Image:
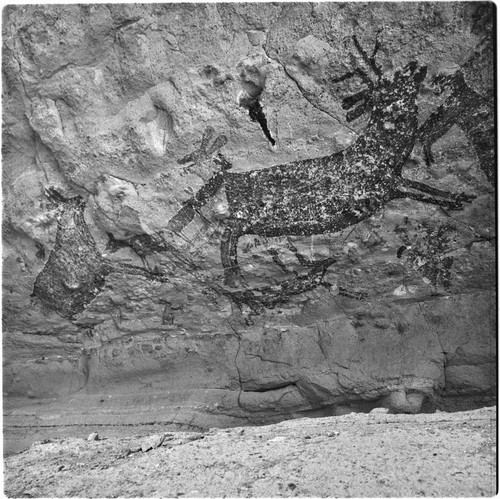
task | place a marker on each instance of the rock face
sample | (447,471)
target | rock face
(226,213)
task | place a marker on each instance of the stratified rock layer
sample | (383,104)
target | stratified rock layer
(142,284)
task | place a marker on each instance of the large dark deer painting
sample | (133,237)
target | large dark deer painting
(329,193)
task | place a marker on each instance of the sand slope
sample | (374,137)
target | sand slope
(356,455)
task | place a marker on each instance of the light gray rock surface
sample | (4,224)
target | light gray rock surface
(355,455)
(111,313)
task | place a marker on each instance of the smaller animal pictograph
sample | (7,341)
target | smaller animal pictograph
(75,271)
(472,112)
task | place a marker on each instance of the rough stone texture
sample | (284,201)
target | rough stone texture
(156,270)
(355,455)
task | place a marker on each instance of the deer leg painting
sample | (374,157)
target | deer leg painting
(231,213)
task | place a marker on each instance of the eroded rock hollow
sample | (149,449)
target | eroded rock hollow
(220,214)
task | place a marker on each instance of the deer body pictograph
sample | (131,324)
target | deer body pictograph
(329,193)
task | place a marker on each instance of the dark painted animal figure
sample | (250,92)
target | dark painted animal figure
(75,271)
(472,112)
(330,193)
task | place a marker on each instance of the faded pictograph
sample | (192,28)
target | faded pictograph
(76,271)
(427,251)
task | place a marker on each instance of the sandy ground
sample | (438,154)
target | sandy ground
(356,455)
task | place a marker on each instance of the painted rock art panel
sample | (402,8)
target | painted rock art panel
(242,212)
